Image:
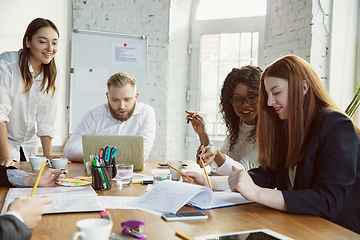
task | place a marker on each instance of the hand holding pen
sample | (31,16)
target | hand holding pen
(180,172)
(202,165)
(49,178)
(208,155)
(196,121)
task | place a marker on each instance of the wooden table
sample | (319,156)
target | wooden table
(221,220)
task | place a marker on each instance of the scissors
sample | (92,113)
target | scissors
(107,156)
(112,159)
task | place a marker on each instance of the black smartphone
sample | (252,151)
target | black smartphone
(165,165)
(184,216)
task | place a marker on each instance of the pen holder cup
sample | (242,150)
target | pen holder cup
(101,177)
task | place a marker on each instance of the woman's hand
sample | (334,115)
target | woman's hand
(198,178)
(209,154)
(196,121)
(7,162)
(240,181)
(49,178)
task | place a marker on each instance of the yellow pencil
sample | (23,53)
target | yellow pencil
(180,172)
(181,236)
(207,177)
(38,178)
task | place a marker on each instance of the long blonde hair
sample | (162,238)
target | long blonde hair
(285,141)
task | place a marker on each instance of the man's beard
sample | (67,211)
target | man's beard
(121,117)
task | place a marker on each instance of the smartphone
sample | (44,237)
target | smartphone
(166,165)
(184,216)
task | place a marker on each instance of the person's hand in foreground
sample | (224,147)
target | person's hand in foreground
(199,178)
(7,162)
(30,209)
(240,181)
(49,178)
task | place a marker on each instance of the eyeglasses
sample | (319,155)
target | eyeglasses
(238,101)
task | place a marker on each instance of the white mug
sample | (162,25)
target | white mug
(175,175)
(36,162)
(59,163)
(93,229)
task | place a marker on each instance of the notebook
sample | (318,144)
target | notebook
(130,149)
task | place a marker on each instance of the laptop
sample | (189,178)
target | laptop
(130,149)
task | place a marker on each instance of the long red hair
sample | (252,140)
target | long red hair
(284,141)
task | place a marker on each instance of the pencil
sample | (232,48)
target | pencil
(207,177)
(180,172)
(181,236)
(38,178)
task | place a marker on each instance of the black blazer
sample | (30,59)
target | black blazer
(12,228)
(327,181)
(4,181)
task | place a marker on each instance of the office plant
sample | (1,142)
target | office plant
(355,102)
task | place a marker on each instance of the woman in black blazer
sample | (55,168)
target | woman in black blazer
(308,149)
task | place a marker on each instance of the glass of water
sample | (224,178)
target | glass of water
(124,174)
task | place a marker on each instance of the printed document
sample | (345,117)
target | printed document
(74,199)
(170,196)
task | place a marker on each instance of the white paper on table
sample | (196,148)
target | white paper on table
(170,196)
(74,199)
(115,202)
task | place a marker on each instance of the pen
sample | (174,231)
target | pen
(38,178)
(181,236)
(207,177)
(180,172)
(144,182)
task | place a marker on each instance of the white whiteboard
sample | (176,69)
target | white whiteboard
(95,56)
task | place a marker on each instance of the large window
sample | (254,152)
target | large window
(220,53)
(225,34)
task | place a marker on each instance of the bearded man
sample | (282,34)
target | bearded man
(121,115)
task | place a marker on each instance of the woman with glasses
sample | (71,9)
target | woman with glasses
(239,109)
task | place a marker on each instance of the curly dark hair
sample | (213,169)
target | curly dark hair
(250,77)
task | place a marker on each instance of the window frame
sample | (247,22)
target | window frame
(214,26)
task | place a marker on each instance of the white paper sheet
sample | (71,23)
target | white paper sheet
(74,199)
(170,196)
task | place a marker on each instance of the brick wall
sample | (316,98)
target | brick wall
(301,28)
(298,27)
(167,57)
(288,29)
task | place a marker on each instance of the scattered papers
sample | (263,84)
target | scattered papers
(223,199)
(115,202)
(75,199)
(170,196)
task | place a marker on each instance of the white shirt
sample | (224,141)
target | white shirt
(26,114)
(243,156)
(99,121)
